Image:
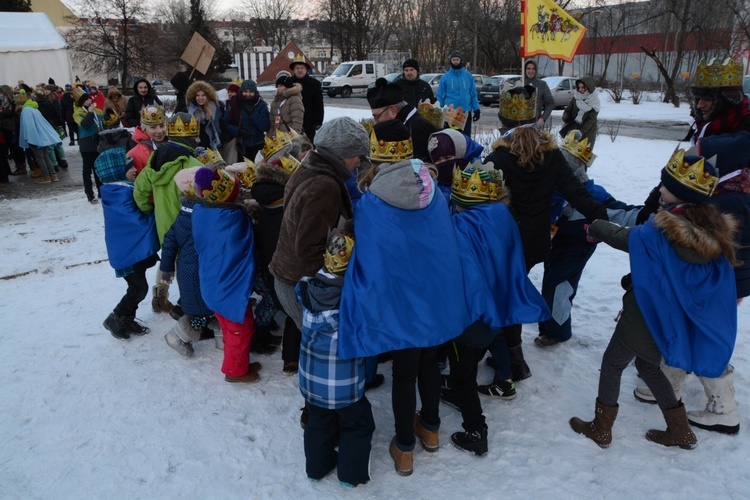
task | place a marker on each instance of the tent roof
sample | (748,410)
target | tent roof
(28,31)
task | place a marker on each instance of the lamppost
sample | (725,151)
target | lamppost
(596,14)
(455,34)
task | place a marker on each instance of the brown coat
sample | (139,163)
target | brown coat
(315,197)
(292,110)
(116,101)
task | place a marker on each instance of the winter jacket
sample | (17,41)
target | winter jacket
(143,149)
(132,116)
(586,123)
(179,247)
(251,126)
(67,103)
(89,125)
(180,81)
(166,194)
(325,380)
(420,130)
(545,102)
(7,109)
(50,109)
(416,91)
(117,101)
(315,198)
(210,131)
(288,110)
(457,87)
(97,97)
(268,191)
(312,98)
(531,195)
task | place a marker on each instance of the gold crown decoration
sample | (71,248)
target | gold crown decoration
(433,114)
(110,118)
(515,106)
(299,58)
(209,157)
(237,81)
(580,149)
(691,176)
(289,163)
(178,128)
(716,74)
(475,185)
(368,124)
(338,252)
(390,152)
(455,117)
(275,144)
(152,115)
(245,173)
(224,188)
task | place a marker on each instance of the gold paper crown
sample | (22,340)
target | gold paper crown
(455,117)
(338,252)
(717,75)
(579,149)
(237,81)
(275,144)
(209,157)
(223,189)
(152,115)
(289,163)
(368,124)
(178,128)
(433,114)
(516,107)
(299,58)
(245,172)
(475,185)
(111,118)
(691,176)
(390,152)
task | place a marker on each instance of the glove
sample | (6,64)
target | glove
(590,239)
(61,132)
(167,278)
(477,114)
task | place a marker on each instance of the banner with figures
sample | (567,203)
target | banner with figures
(547,29)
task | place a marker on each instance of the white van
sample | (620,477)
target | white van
(352,76)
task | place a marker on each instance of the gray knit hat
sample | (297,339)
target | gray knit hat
(343,138)
(249,85)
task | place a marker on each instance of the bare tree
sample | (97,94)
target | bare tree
(273,19)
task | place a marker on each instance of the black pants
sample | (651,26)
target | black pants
(463,360)
(412,366)
(351,428)
(137,291)
(4,164)
(72,129)
(89,158)
(512,333)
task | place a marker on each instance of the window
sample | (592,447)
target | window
(356,71)
(370,69)
(565,85)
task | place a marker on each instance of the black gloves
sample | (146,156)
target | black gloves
(477,114)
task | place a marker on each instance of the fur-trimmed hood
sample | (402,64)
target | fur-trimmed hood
(197,86)
(709,241)
(271,173)
(295,90)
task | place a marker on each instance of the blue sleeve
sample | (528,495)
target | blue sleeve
(231,129)
(473,93)
(260,118)
(169,249)
(441,90)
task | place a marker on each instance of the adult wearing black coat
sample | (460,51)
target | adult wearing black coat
(143,95)
(180,81)
(66,105)
(312,97)
(415,89)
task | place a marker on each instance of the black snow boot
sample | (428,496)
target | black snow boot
(474,442)
(116,326)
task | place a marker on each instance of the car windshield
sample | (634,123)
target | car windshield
(493,81)
(426,77)
(553,80)
(342,70)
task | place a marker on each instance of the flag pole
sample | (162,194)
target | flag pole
(523,48)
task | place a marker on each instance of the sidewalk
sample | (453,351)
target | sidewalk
(23,186)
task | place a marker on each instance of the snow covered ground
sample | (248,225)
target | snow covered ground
(83,415)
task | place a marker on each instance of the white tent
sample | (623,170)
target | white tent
(32,50)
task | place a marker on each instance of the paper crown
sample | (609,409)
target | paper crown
(390,152)
(368,124)
(338,252)
(209,157)
(517,107)
(716,74)
(433,114)
(693,176)
(275,144)
(237,81)
(110,118)
(579,149)
(299,59)
(245,172)
(178,128)
(289,163)
(455,117)
(152,115)
(219,188)
(475,185)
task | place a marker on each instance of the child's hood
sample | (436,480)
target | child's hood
(321,293)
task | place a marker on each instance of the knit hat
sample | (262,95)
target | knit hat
(185,180)
(338,252)
(411,63)
(384,94)
(51,82)
(110,119)
(80,96)
(249,85)
(343,138)
(216,187)
(690,178)
(233,87)
(456,53)
(447,150)
(68,86)
(286,81)
(517,106)
(283,72)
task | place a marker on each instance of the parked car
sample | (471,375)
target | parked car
(480,80)
(433,79)
(489,95)
(562,88)
(390,77)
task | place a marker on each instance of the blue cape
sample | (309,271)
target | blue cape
(130,235)
(36,130)
(691,309)
(404,284)
(498,291)
(226,266)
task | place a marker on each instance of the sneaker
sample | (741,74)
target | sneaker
(474,442)
(544,341)
(93,200)
(175,342)
(116,327)
(376,382)
(403,461)
(505,390)
(54,178)
(448,396)
(644,395)
(247,378)
(430,439)
(290,368)
(134,327)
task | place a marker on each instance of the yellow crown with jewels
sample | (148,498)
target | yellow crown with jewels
(289,163)
(368,124)
(299,58)
(390,151)
(209,157)
(475,185)
(433,114)
(245,172)
(455,117)
(275,144)
(515,106)
(579,149)
(178,128)
(152,115)
(716,74)
(338,252)
(691,176)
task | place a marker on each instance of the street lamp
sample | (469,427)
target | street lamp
(596,14)
(455,34)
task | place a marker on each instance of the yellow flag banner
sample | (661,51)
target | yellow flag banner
(549,30)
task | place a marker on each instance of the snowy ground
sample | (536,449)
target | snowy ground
(83,415)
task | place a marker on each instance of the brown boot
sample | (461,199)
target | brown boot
(54,178)
(678,431)
(430,439)
(600,429)
(36,173)
(403,460)
(160,301)
(19,170)
(43,180)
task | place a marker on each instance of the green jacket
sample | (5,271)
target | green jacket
(166,194)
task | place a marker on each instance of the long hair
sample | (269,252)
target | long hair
(529,144)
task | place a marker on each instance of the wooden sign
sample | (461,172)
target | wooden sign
(199,54)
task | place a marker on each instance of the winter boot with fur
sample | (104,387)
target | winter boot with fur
(160,300)
(518,367)
(600,429)
(116,326)
(181,336)
(678,431)
(675,376)
(720,414)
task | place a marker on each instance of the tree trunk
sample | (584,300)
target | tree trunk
(671,94)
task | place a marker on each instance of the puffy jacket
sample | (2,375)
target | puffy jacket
(252,123)
(416,91)
(457,87)
(288,108)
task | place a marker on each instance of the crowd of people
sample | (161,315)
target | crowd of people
(354,230)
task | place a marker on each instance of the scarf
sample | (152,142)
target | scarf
(586,102)
(738,183)
(730,121)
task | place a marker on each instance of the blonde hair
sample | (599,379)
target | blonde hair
(529,144)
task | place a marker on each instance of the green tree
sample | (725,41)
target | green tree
(199,24)
(15,6)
